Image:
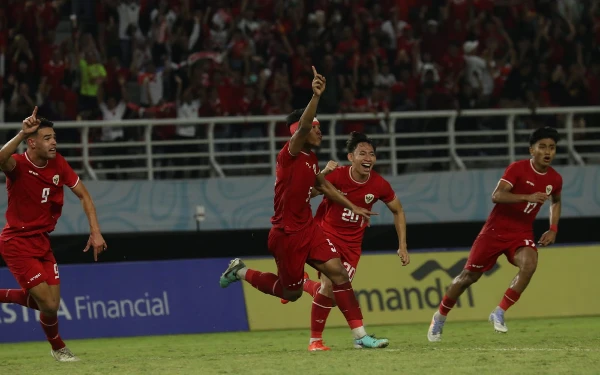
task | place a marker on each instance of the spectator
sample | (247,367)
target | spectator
(247,57)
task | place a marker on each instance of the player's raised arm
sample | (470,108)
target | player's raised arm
(503,194)
(549,237)
(332,193)
(96,241)
(30,125)
(306,121)
(400,223)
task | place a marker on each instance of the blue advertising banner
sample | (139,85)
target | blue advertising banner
(133,299)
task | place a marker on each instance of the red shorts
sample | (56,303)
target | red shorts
(293,251)
(349,256)
(487,248)
(30,260)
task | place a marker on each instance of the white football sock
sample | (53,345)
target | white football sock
(359,332)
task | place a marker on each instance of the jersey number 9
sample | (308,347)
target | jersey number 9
(45,194)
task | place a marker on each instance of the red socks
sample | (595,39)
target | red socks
(446,305)
(18,296)
(50,327)
(266,282)
(312,287)
(321,307)
(348,304)
(509,299)
(49,323)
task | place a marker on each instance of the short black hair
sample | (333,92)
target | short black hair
(294,116)
(44,123)
(543,133)
(355,139)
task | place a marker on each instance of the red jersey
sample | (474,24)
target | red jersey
(35,195)
(294,181)
(341,223)
(517,218)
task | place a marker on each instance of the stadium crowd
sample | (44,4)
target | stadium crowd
(118,59)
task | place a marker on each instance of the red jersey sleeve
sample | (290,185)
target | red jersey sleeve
(387,194)
(67,174)
(559,184)
(511,174)
(14,173)
(285,157)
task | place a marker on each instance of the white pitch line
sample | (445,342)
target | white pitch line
(506,350)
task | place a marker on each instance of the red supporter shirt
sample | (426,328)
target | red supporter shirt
(35,195)
(295,179)
(341,223)
(517,218)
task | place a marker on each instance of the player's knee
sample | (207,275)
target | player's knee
(339,277)
(336,272)
(49,306)
(528,268)
(467,278)
(292,295)
(326,289)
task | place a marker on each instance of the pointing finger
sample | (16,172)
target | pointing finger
(313,69)
(34,114)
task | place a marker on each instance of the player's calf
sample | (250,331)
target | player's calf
(48,300)
(346,300)
(18,296)
(266,282)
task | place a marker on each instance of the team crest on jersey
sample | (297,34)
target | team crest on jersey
(55,179)
(548,189)
(369,198)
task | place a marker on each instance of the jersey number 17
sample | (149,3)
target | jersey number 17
(530,207)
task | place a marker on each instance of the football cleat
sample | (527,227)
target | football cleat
(230,275)
(370,341)
(435,328)
(497,320)
(63,355)
(318,346)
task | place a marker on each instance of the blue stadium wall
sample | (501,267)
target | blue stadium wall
(247,202)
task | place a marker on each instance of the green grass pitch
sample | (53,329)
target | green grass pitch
(534,346)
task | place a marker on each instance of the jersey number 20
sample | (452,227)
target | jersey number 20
(349,216)
(45,194)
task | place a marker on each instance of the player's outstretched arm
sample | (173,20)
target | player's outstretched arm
(400,223)
(503,194)
(549,237)
(335,196)
(305,126)
(30,125)
(330,167)
(96,241)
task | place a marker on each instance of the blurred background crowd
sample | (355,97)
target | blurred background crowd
(121,59)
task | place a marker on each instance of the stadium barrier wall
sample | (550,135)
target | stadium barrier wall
(133,299)
(247,202)
(183,297)
(564,285)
